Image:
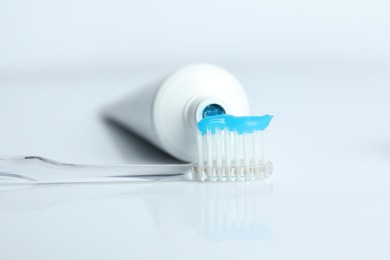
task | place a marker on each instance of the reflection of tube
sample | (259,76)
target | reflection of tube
(167,113)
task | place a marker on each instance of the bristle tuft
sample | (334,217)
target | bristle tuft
(226,155)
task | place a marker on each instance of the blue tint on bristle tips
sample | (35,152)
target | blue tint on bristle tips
(240,124)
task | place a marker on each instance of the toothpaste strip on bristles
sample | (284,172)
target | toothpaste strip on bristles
(232,148)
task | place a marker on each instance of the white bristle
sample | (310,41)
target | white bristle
(256,150)
(256,147)
(209,153)
(199,172)
(245,148)
(237,154)
(231,156)
(227,147)
(218,152)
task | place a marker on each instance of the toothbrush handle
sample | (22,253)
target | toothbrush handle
(36,169)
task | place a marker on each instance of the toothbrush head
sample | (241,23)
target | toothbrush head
(232,149)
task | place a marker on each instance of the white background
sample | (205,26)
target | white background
(322,68)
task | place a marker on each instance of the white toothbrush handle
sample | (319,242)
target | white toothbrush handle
(36,169)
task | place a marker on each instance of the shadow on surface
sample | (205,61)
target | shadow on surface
(133,148)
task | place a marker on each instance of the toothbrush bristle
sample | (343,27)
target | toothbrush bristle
(226,155)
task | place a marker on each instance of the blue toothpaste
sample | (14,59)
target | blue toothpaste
(240,124)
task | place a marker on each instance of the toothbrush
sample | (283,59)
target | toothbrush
(232,148)
(229,149)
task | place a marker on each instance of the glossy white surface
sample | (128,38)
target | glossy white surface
(321,67)
(328,198)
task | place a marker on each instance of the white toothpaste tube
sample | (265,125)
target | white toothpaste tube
(166,113)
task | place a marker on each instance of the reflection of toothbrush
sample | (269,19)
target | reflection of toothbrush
(230,149)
